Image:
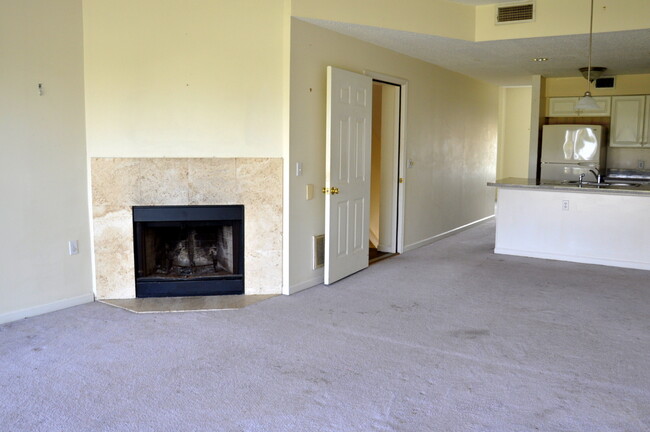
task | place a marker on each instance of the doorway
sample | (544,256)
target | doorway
(385,170)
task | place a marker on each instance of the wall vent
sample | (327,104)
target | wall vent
(522,12)
(318,246)
(605,82)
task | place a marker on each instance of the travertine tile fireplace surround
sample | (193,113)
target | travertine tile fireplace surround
(120,183)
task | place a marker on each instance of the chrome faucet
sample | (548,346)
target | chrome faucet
(597,174)
(580,180)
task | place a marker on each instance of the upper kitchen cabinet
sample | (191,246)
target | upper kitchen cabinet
(566,107)
(630,121)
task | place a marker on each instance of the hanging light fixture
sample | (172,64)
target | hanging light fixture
(587,102)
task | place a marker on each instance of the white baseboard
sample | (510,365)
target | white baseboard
(45,308)
(443,235)
(576,259)
(304,285)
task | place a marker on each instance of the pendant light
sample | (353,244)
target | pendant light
(587,102)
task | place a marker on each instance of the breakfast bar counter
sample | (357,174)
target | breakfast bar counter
(589,223)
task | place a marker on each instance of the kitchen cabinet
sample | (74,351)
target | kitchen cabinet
(646,126)
(565,107)
(630,121)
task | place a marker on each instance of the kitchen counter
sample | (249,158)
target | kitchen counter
(643,188)
(607,225)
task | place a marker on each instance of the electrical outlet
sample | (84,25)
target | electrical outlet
(565,205)
(73,247)
(640,164)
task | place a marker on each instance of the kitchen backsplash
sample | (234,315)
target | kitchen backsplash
(627,157)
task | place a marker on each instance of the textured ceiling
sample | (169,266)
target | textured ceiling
(509,62)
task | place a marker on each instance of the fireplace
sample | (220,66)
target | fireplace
(188,250)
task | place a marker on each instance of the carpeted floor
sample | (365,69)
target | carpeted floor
(449,337)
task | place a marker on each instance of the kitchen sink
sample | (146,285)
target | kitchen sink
(623,184)
(603,184)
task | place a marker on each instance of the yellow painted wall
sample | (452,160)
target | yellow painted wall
(171,78)
(43,161)
(451,136)
(562,17)
(435,17)
(576,86)
(514,132)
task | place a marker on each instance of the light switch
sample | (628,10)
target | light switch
(298,169)
(309,192)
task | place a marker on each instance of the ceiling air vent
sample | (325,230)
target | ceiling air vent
(522,12)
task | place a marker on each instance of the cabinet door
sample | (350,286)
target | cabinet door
(605,110)
(627,121)
(646,127)
(566,107)
(562,107)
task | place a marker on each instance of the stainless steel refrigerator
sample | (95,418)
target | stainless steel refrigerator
(571,150)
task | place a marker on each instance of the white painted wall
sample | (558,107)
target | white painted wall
(184,79)
(43,161)
(451,136)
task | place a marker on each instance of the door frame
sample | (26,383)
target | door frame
(401,147)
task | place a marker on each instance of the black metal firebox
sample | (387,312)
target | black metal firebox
(188,250)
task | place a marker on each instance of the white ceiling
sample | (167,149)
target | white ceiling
(509,62)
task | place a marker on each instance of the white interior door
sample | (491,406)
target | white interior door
(347,173)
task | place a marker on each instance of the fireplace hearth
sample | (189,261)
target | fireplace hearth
(188,250)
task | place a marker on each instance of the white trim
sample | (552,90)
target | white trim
(45,308)
(305,284)
(401,189)
(443,235)
(571,258)
(286,146)
(89,185)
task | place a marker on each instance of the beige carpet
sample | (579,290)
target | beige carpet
(446,338)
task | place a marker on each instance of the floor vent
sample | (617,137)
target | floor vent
(318,243)
(516,14)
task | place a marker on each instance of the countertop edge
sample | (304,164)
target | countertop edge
(520,183)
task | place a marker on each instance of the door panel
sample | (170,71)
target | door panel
(347,183)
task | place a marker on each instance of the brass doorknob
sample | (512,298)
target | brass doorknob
(334,191)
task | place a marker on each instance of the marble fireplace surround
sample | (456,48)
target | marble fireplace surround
(120,183)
